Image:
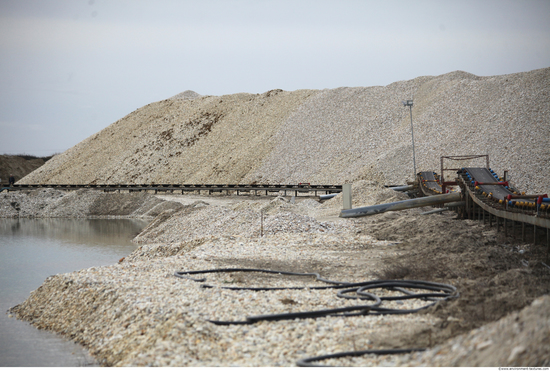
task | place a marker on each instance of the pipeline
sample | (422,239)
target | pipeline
(403,188)
(401,205)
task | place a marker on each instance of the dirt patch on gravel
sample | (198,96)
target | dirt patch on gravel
(494,275)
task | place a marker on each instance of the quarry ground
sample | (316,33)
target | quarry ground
(495,276)
(143,316)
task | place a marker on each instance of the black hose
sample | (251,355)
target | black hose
(307,362)
(438,292)
(231,270)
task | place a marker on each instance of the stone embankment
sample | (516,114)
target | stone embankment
(330,136)
(137,313)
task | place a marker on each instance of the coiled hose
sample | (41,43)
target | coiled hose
(437,292)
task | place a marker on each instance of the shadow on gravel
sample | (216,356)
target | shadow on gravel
(494,275)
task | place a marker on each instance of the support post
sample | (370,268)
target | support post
(504,220)
(346,196)
(262,223)
(467,206)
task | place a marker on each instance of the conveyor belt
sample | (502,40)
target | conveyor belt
(501,192)
(429,181)
(267,188)
(484,175)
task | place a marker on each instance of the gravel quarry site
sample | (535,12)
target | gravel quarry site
(439,290)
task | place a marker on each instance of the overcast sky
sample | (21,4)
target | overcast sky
(70,68)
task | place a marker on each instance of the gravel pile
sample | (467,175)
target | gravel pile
(246,219)
(363,193)
(28,204)
(328,136)
(187,95)
(519,339)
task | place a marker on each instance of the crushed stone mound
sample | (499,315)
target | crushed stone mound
(242,220)
(52,203)
(331,136)
(28,204)
(188,94)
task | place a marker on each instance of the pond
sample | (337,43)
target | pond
(33,249)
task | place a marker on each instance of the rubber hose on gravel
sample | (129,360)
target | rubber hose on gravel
(438,292)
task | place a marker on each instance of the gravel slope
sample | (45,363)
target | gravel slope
(137,313)
(322,136)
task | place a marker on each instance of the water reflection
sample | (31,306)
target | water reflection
(33,249)
(107,232)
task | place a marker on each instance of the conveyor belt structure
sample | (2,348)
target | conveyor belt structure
(429,183)
(295,189)
(488,196)
(497,197)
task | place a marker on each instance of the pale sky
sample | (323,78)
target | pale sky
(69,68)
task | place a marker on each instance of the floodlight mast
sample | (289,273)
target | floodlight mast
(409,103)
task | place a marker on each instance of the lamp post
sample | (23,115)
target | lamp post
(409,103)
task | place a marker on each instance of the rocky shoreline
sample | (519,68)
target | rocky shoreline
(137,313)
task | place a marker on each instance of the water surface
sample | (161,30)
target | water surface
(33,249)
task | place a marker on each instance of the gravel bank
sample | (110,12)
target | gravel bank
(327,136)
(137,313)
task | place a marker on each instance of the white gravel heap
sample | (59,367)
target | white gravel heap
(330,136)
(188,94)
(31,204)
(243,219)
(137,313)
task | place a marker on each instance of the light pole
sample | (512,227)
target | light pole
(410,104)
